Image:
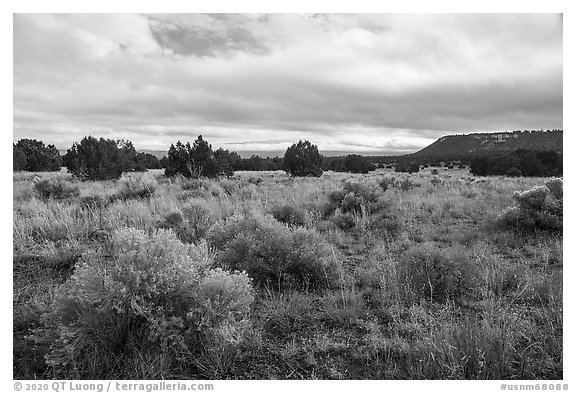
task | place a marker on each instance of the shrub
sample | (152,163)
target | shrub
(132,187)
(273,254)
(198,218)
(436,181)
(385,223)
(538,208)
(353,198)
(289,215)
(514,172)
(149,295)
(55,189)
(405,184)
(62,254)
(191,223)
(437,274)
(387,182)
(345,222)
(555,187)
(367,192)
(410,167)
(303,159)
(352,203)
(434,172)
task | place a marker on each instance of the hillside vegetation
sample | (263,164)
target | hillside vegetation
(263,276)
(492,143)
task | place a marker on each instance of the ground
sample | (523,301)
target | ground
(431,284)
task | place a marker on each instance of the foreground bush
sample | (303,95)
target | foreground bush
(537,208)
(150,295)
(273,254)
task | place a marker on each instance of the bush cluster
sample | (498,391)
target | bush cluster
(191,223)
(55,189)
(437,274)
(33,155)
(519,163)
(537,208)
(289,215)
(149,295)
(404,184)
(354,197)
(274,254)
(407,166)
(139,187)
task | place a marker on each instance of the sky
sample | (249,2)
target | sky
(388,83)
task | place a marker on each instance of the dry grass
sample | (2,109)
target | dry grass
(390,314)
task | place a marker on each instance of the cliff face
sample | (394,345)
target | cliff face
(475,144)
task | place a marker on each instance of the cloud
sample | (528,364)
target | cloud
(345,82)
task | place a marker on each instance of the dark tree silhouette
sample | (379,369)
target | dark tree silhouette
(357,164)
(99,159)
(407,166)
(38,156)
(144,161)
(19,161)
(192,161)
(227,161)
(303,159)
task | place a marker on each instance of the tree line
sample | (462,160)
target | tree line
(102,159)
(519,163)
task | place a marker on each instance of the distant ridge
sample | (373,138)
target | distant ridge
(491,143)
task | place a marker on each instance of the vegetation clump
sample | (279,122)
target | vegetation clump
(140,187)
(354,197)
(537,208)
(33,155)
(149,296)
(56,189)
(273,254)
(437,274)
(289,215)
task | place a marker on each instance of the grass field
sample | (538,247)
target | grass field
(352,277)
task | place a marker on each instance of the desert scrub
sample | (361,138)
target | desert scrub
(274,254)
(132,187)
(149,294)
(55,189)
(405,184)
(289,215)
(537,208)
(386,182)
(191,222)
(353,198)
(439,274)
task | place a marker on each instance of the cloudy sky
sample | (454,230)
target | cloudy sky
(369,82)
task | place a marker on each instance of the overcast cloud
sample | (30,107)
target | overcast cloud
(365,82)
